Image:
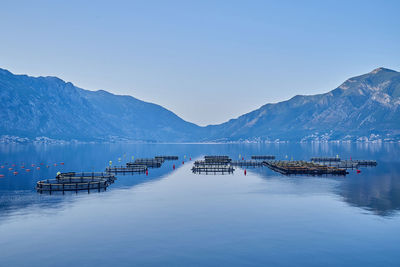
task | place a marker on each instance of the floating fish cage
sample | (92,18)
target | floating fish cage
(151,163)
(247,163)
(73,184)
(365,162)
(166,158)
(325,159)
(263,157)
(127,169)
(85,175)
(209,163)
(223,159)
(213,169)
(303,168)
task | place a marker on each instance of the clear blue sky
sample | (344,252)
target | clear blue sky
(208,61)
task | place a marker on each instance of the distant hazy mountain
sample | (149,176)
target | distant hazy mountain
(362,106)
(47,106)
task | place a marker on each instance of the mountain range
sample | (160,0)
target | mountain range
(44,109)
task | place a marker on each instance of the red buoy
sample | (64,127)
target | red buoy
(37,168)
(55,164)
(183,162)
(28,170)
(358,171)
(1,175)
(62,163)
(147,172)
(10,169)
(33,165)
(15,173)
(13,165)
(22,167)
(245,172)
(173,167)
(2,167)
(190,158)
(242,158)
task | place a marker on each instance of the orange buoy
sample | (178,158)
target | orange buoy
(15,173)
(245,172)
(173,167)
(28,170)
(62,163)
(10,169)
(1,175)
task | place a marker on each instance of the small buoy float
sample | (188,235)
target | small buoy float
(47,166)
(28,170)
(190,158)
(245,172)
(147,172)
(41,163)
(10,169)
(22,167)
(173,167)
(62,163)
(183,162)
(1,175)
(55,164)
(358,171)
(2,167)
(13,165)
(33,165)
(242,158)
(37,168)
(15,173)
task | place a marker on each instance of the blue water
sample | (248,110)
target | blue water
(177,218)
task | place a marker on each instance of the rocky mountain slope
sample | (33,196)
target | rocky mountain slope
(362,106)
(47,106)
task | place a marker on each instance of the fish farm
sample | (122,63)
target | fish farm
(303,167)
(75,182)
(79,181)
(210,164)
(263,157)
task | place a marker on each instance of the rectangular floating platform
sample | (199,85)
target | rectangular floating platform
(303,168)
(247,163)
(365,162)
(213,170)
(263,157)
(123,169)
(150,163)
(209,163)
(223,159)
(166,157)
(325,159)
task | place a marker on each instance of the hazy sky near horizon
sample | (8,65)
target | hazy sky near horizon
(207,61)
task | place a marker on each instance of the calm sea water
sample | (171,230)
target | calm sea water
(177,218)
